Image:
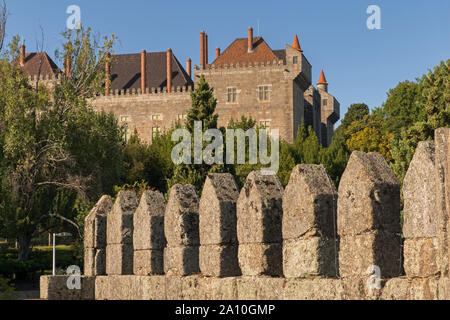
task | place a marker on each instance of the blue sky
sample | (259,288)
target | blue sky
(360,64)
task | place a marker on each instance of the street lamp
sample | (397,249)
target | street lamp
(62,234)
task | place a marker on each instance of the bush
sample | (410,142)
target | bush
(39,261)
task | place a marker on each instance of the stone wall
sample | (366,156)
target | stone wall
(307,241)
(287,83)
(149,112)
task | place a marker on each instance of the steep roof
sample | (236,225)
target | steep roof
(238,52)
(33,61)
(322,79)
(126,71)
(296,44)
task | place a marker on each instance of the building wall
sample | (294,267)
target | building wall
(144,112)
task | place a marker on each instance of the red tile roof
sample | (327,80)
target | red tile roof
(238,52)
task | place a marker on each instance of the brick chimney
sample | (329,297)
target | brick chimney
(188,67)
(202,49)
(22,55)
(217,53)
(206,49)
(107,74)
(250,39)
(67,61)
(169,70)
(143,70)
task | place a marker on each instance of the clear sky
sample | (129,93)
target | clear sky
(360,64)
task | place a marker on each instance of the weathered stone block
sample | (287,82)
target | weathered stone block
(217,210)
(120,219)
(420,257)
(181,261)
(313,289)
(174,286)
(148,222)
(219,261)
(419,194)
(55,288)
(260,259)
(442,143)
(95,224)
(119,259)
(220,288)
(357,288)
(181,217)
(310,257)
(148,262)
(191,288)
(259,209)
(259,288)
(154,288)
(395,289)
(369,196)
(424,289)
(94,262)
(359,252)
(309,203)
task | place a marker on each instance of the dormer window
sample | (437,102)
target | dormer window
(295,60)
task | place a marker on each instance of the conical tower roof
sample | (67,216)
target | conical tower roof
(296,44)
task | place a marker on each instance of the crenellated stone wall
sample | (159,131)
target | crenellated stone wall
(307,241)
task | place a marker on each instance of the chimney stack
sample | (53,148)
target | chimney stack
(143,70)
(202,49)
(107,74)
(206,49)
(188,67)
(67,65)
(250,39)
(217,53)
(22,55)
(169,70)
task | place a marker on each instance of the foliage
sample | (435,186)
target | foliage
(6,290)
(435,91)
(40,259)
(54,148)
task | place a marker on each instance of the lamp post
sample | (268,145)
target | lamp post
(62,234)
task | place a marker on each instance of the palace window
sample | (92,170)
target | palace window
(324,102)
(156,117)
(124,118)
(156,131)
(231,95)
(295,60)
(265,124)
(263,93)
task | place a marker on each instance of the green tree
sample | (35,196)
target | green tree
(203,108)
(54,147)
(436,103)
(404,106)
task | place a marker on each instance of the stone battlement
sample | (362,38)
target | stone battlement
(305,241)
(242,65)
(148,91)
